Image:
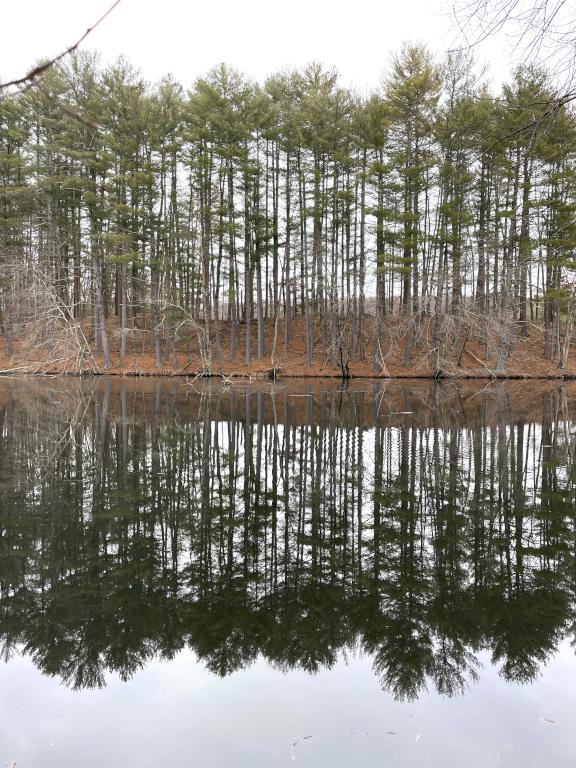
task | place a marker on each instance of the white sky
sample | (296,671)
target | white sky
(258,37)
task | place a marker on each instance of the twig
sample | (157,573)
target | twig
(34,74)
(7,371)
(490,371)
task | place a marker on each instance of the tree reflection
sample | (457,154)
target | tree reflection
(134,523)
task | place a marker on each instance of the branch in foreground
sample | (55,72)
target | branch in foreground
(31,76)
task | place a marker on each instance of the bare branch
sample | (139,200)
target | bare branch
(33,75)
(540,30)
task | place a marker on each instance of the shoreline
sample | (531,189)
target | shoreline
(469,359)
(459,359)
(267,376)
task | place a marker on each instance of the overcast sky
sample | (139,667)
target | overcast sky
(258,37)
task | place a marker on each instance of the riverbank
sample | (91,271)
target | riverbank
(462,357)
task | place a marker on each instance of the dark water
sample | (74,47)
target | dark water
(201,575)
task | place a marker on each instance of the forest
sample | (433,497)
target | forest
(292,225)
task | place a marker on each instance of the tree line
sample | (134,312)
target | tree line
(227,218)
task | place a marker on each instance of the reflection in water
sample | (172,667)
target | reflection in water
(418,523)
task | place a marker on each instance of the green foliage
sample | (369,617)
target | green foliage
(432,189)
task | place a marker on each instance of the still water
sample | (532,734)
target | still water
(194,574)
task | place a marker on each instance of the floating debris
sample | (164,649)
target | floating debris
(298,741)
(337,734)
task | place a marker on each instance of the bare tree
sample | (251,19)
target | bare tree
(541,31)
(40,324)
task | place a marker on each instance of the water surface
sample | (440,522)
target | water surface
(199,574)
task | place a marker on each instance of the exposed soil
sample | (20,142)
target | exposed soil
(468,358)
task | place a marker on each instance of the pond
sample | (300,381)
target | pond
(201,574)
